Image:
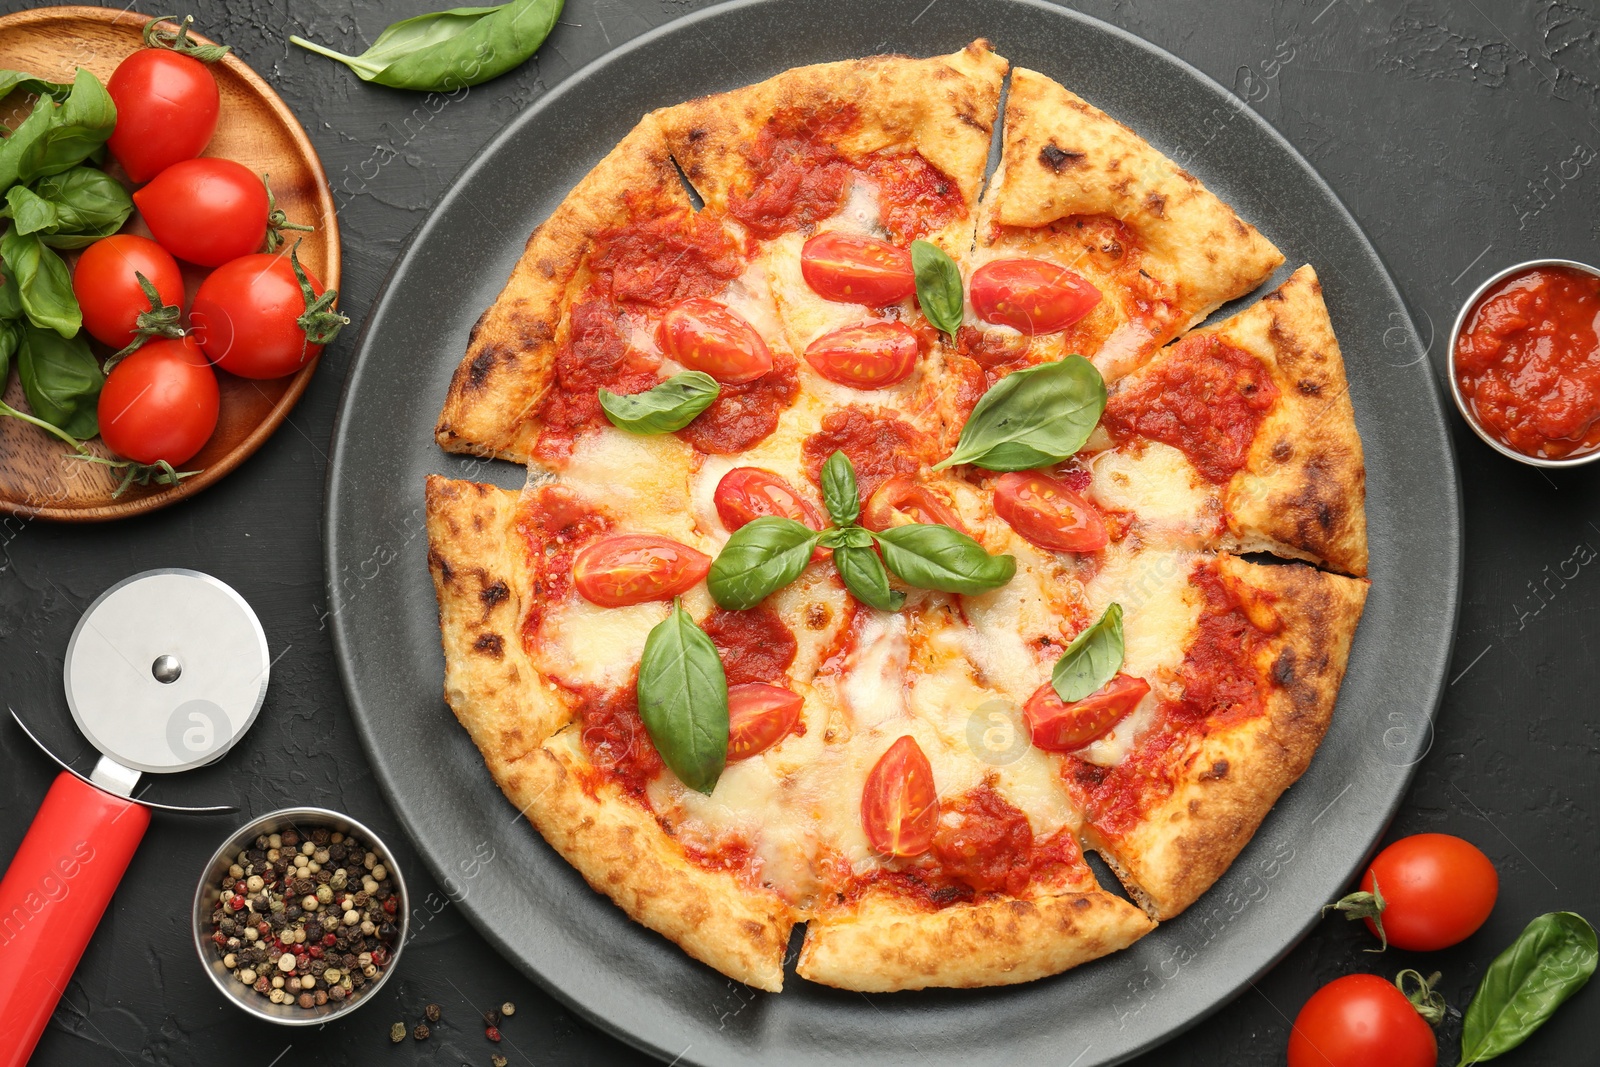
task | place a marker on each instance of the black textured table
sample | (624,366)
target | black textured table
(1461,134)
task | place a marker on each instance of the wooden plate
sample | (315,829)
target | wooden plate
(256,128)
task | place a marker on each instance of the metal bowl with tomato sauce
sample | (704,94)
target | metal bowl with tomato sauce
(1556,354)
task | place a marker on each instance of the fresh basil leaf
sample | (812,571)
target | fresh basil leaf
(1093,658)
(839,492)
(1032,417)
(61,379)
(10,300)
(81,124)
(670,406)
(15,80)
(930,556)
(683,700)
(938,286)
(72,209)
(10,339)
(762,556)
(14,147)
(44,285)
(448,50)
(1551,960)
(863,574)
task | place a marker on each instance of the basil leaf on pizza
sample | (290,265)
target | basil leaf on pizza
(863,574)
(930,556)
(938,286)
(670,406)
(839,492)
(1092,660)
(760,558)
(1032,417)
(683,700)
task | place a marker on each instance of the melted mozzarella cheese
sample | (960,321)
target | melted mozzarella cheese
(584,644)
(872,687)
(1159,485)
(644,479)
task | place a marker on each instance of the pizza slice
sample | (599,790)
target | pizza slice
(1231,727)
(1241,436)
(1130,249)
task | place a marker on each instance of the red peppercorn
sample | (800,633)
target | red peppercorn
(492,1033)
(379,955)
(329,939)
(236,902)
(315,952)
(241,887)
(277,946)
(219,938)
(390,906)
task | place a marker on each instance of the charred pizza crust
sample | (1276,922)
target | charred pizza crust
(511,353)
(883,942)
(1062,158)
(1229,778)
(530,745)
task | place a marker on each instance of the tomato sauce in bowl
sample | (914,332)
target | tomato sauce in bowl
(1525,362)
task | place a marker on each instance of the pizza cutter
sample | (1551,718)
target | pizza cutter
(164,672)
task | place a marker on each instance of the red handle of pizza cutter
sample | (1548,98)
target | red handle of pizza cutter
(52,897)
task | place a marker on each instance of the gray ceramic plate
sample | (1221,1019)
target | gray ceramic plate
(535,908)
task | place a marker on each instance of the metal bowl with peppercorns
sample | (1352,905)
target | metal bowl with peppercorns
(300,916)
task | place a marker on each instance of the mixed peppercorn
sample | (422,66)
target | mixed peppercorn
(306,917)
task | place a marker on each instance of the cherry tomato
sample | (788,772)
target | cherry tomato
(1437,891)
(704,335)
(159,403)
(1361,1020)
(759,716)
(899,805)
(206,211)
(109,294)
(1046,512)
(869,356)
(853,269)
(748,493)
(1030,295)
(166,111)
(633,568)
(246,313)
(1057,726)
(916,501)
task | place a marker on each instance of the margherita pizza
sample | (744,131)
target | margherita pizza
(884,539)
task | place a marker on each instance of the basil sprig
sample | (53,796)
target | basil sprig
(61,379)
(839,492)
(44,285)
(1092,660)
(769,553)
(53,137)
(683,700)
(1032,417)
(1551,960)
(938,286)
(761,557)
(931,556)
(861,569)
(14,80)
(72,209)
(444,51)
(670,406)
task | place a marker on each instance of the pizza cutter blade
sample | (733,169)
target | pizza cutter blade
(165,672)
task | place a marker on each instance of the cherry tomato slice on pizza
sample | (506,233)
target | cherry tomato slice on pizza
(110,295)
(706,336)
(1057,726)
(873,355)
(1361,1020)
(206,211)
(748,493)
(759,716)
(1437,891)
(1030,295)
(899,805)
(167,106)
(915,501)
(633,568)
(854,269)
(1046,512)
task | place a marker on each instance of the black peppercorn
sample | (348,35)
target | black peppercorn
(338,852)
(491,1018)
